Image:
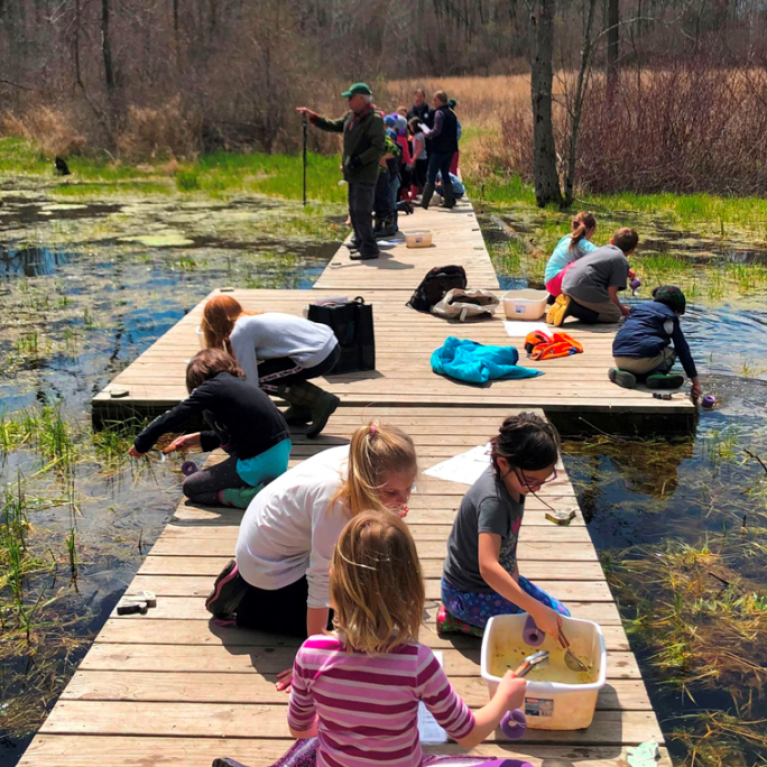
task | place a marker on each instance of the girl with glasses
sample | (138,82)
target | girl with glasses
(481,575)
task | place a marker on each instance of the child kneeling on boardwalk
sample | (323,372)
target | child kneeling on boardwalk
(481,576)
(243,421)
(280,579)
(643,346)
(356,691)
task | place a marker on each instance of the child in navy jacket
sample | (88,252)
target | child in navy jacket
(649,342)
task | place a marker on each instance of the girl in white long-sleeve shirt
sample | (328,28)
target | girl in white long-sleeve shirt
(280,579)
(278,353)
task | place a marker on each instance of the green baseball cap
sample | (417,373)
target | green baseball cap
(358,89)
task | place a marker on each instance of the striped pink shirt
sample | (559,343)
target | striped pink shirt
(368,706)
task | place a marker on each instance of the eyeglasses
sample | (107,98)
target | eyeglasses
(530,485)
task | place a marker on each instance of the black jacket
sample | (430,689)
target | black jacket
(444,137)
(421,112)
(240,415)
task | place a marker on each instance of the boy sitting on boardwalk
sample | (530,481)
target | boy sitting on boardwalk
(643,346)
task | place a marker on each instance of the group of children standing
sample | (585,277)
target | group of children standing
(584,282)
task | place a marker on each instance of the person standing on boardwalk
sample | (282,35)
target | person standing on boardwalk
(420,108)
(363,147)
(443,144)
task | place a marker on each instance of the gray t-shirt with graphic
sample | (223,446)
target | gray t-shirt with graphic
(486,508)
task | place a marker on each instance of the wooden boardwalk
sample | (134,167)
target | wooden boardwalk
(171,689)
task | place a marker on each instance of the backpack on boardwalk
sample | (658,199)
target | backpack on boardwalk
(435,285)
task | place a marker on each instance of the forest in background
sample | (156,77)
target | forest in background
(142,79)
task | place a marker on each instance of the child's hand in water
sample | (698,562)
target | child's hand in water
(512,690)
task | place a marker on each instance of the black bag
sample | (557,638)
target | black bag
(435,285)
(352,323)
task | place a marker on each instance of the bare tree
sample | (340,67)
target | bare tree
(106,46)
(576,108)
(613,40)
(542,76)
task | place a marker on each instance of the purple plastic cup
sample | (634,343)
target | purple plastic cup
(188,468)
(636,283)
(708,402)
(514,724)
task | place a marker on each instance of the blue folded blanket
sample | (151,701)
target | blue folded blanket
(476,363)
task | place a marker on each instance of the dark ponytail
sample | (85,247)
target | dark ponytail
(527,442)
(582,222)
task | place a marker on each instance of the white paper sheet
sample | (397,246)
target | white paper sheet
(428,729)
(519,329)
(465,467)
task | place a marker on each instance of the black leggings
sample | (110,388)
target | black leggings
(204,486)
(282,611)
(272,374)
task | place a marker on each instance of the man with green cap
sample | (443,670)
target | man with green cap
(650,341)
(363,147)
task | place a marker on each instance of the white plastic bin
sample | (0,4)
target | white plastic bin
(419,239)
(526,304)
(550,705)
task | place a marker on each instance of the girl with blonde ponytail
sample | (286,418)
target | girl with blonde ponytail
(279,579)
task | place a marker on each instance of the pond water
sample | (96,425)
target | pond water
(85,289)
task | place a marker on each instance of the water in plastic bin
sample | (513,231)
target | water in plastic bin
(556,671)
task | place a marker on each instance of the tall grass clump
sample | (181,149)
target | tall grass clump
(688,127)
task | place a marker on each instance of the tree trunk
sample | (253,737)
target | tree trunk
(544,151)
(106,46)
(577,103)
(613,41)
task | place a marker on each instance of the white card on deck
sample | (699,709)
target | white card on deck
(429,731)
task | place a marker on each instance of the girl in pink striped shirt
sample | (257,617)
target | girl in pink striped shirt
(357,690)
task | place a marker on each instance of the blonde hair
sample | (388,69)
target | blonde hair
(376,584)
(218,318)
(375,451)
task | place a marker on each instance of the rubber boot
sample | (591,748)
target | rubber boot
(298,413)
(448,198)
(239,497)
(428,192)
(320,403)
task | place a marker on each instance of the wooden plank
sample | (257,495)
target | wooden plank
(176,545)
(269,721)
(143,751)
(618,694)
(431,568)
(269,660)
(200,586)
(193,608)
(202,632)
